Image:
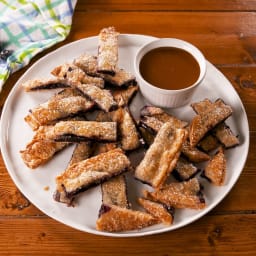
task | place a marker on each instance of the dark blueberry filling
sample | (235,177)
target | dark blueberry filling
(103,209)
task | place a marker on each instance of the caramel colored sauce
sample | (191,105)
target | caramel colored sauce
(169,68)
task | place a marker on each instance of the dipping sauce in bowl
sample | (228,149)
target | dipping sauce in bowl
(168,71)
(169,68)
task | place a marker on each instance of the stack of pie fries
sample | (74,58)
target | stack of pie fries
(91,110)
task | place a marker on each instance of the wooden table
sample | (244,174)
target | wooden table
(225,31)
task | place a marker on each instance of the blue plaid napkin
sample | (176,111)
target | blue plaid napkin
(27,27)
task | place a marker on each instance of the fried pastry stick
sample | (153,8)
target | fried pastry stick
(77,131)
(222,132)
(90,172)
(129,136)
(65,93)
(75,74)
(201,124)
(225,135)
(56,109)
(121,78)
(89,64)
(152,118)
(208,143)
(40,151)
(45,84)
(114,218)
(162,212)
(162,156)
(114,191)
(184,170)
(186,194)
(103,98)
(81,152)
(108,51)
(215,170)
(124,96)
(193,154)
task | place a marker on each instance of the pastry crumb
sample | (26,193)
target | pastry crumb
(46,188)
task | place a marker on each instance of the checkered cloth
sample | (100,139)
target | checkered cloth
(27,27)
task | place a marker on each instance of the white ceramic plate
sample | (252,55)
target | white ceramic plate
(15,134)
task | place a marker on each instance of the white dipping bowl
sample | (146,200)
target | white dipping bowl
(162,97)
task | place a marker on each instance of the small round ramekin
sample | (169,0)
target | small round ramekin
(168,98)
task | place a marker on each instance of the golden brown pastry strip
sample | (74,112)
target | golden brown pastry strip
(93,171)
(45,84)
(57,109)
(68,71)
(222,132)
(114,192)
(208,143)
(128,135)
(120,78)
(193,154)
(215,170)
(81,152)
(201,124)
(123,96)
(162,212)
(75,131)
(186,194)
(74,74)
(88,63)
(39,151)
(184,170)
(225,135)
(161,157)
(153,118)
(103,98)
(108,51)
(113,218)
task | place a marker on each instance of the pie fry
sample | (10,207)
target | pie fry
(108,51)
(90,172)
(222,132)
(76,131)
(88,63)
(225,135)
(153,118)
(120,78)
(186,194)
(128,135)
(184,170)
(81,152)
(216,169)
(113,218)
(40,151)
(58,109)
(68,71)
(103,98)
(114,192)
(161,157)
(208,143)
(130,138)
(45,84)
(123,96)
(201,124)
(160,211)
(193,154)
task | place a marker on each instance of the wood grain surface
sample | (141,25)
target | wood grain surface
(225,31)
